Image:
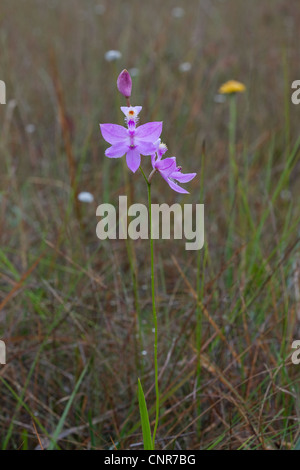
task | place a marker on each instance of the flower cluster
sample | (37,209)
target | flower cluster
(135,141)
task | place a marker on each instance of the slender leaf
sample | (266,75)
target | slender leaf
(66,411)
(148,445)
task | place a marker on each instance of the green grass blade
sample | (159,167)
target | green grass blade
(66,411)
(148,445)
(297,446)
(21,403)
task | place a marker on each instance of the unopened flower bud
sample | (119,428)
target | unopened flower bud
(124,83)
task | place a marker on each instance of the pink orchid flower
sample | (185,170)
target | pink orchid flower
(169,170)
(133,141)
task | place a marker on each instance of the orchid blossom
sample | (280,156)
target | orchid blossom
(169,170)
(133,141)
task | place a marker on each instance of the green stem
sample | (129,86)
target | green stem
(233,177)
(154,316)
(232,144)
(200,293)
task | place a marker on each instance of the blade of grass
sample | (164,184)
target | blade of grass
(147,438)
(59,427)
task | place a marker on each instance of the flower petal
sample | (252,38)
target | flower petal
(176,187)
(183,177)
(146,148)
(116,150)
(149,132)
(135,109)
(166,166)
(133,160)
(113,133)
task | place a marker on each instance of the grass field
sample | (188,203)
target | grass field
(75,312)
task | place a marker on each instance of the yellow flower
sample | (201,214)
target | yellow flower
(232,86)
